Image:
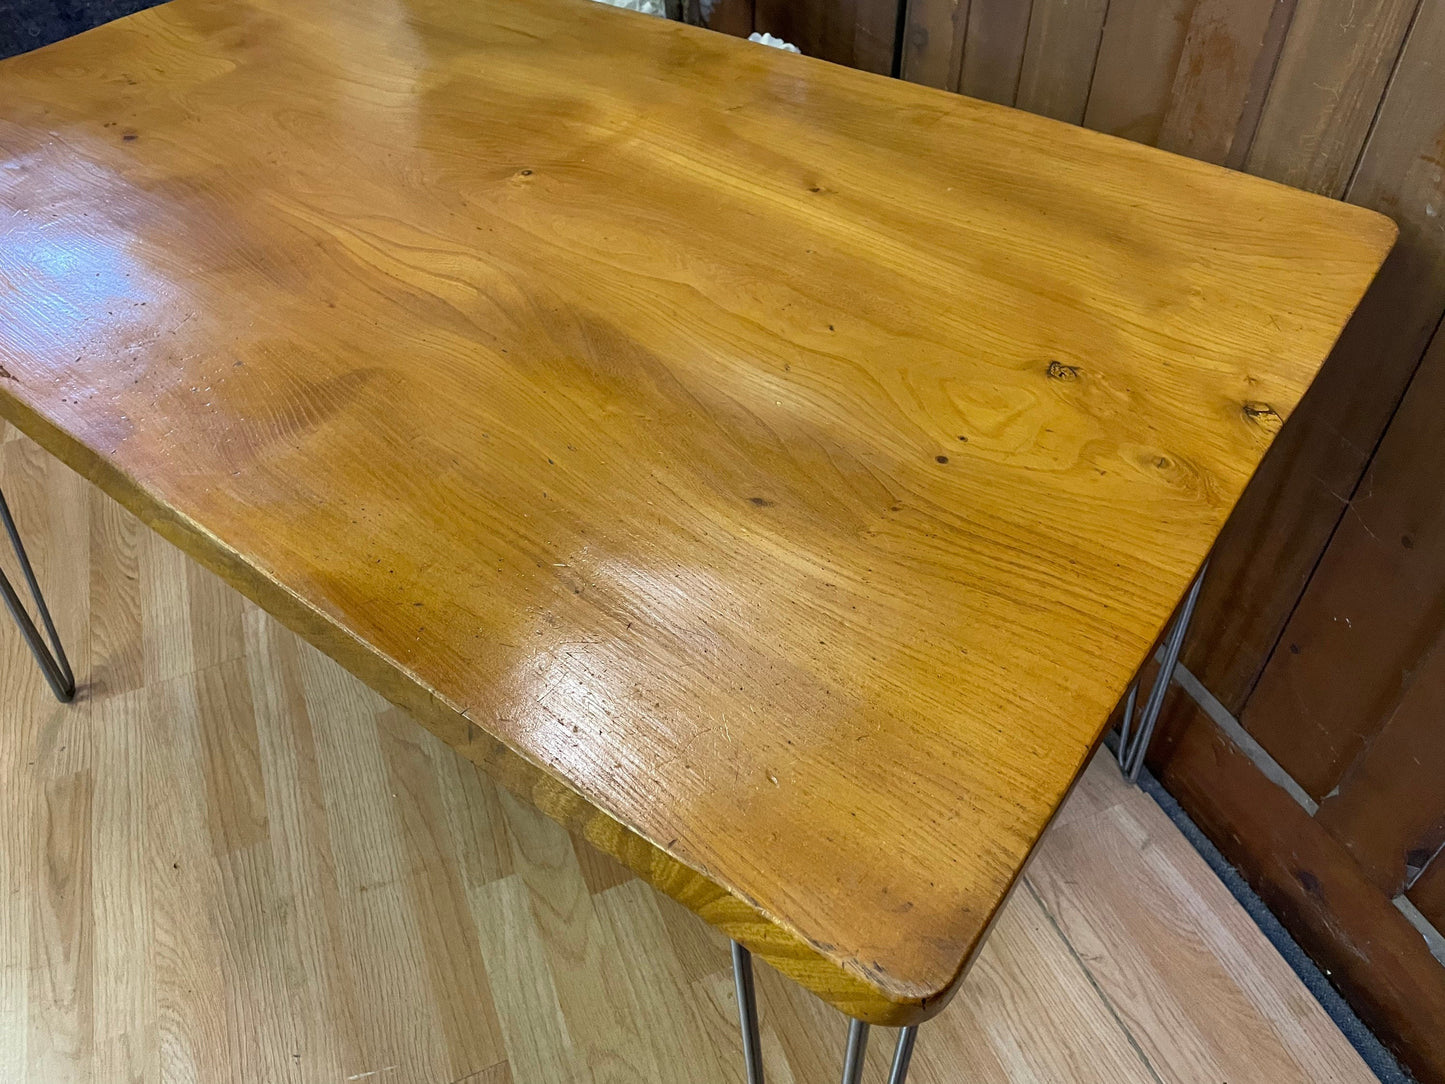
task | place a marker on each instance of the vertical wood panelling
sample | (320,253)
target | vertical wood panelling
(1320,622)
(1287,514)
(1058,65)
(933,42)
(1403,173)
(1281,19)
(800,23)
(858,33)
(1375,604)
(993,49)
(1400,173)
(732,17)
(1389,811)
(1331,74)
(1139,55)
(875,32)
(1225,50)
(835,33)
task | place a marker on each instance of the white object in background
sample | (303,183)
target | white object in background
(647,7)
(768,39)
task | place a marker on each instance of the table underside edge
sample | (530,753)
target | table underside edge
(841,981)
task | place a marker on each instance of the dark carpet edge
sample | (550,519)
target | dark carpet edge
(1373,1052)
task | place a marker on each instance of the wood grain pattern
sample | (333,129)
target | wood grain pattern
(993,50)
(1331,76)
(1226,50)
(750,504)
(858,33)
(1287,516)
(1367,374)
(933,36)
(205,969)
(1059,56)
(1139,53)
(1389,811)
(1376,958)
(1374,608)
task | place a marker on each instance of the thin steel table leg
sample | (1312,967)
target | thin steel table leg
(857,1032)
(853,1057)
(52,661)
(902,1055)
(1126,724)
(1134,738)
(748,1012)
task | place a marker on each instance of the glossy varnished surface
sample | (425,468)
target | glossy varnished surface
(780,503)
(229,863)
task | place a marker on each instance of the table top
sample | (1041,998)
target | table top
(778,470)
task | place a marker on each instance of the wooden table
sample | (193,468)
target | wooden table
(774,471)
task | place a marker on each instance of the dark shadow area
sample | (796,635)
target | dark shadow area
(29,24)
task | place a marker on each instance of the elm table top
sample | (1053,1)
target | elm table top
(776,471)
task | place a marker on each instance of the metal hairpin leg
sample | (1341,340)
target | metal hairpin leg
(52,661)
(853,1055)
(748,1012)
(1134,738)
(857,1032)
(902,1055)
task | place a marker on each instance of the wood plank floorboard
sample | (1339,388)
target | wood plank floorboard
(230,861)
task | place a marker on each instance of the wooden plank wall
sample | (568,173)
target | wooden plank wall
(1320,624)
(1369,949)
(1319,628)
(1294,90)
(859,33)
(1351,706)
(1327,95)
